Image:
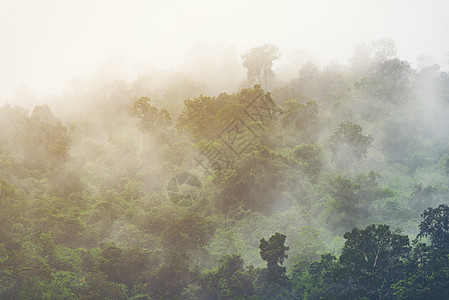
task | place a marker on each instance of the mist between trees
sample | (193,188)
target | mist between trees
(332,184)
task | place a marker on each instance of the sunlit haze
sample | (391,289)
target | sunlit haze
(46,43)
(234,149)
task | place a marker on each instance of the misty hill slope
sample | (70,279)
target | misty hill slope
(149,190)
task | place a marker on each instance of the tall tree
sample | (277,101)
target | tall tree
(436,226)
(259,62)
(272,281)
(273,252)
(371,261)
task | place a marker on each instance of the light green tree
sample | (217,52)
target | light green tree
(259,62)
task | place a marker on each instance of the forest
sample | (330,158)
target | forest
(330,185)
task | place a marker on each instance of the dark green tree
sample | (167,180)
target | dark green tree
(371,261)
(229,281)
(172,277)
(272,282)
(436,226)
(427,275)
(190,233)
(428,268)
(318,281)
(273,252)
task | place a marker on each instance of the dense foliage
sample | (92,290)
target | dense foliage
(312,191)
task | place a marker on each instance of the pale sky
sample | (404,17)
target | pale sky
(45,43)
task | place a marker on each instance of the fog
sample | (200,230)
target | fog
(148,150)
(45,44)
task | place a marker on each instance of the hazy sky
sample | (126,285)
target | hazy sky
(45,43)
